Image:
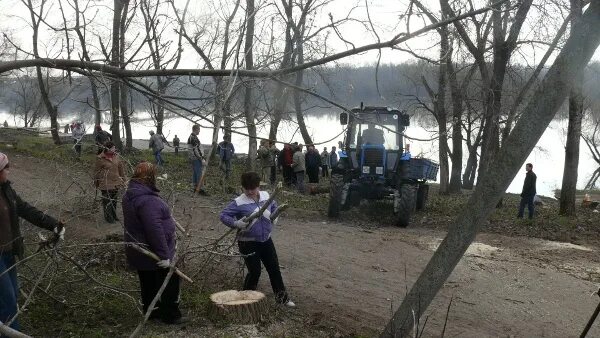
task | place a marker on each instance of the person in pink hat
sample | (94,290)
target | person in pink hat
(11,241)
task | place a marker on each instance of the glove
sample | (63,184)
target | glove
(165,263)
(203,162)
(241,223)
(59,230)
(275,221)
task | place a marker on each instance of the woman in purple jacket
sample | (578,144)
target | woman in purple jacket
(254,240)
(148,223)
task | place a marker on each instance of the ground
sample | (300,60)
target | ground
(348,276)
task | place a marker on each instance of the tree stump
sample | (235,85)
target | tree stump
(240,307)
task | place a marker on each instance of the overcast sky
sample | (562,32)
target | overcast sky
(387,17)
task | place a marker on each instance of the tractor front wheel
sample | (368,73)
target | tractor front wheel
(335,195)
(404,204)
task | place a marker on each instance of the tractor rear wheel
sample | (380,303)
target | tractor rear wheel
(335,195)
(404,204)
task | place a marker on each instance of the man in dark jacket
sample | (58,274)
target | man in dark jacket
(176,144)
(101,137)
(11,241)
(528,192)
(313,163)
(226,151)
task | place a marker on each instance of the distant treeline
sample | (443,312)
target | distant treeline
(399,86)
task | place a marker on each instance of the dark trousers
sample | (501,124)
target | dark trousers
(325,170)
(109,205)
(176,150)
(299,180)
(313,174)
(526,200)
(9,290)
(273,177)
(167,308)
(263,252)
(77,147)
(288,173)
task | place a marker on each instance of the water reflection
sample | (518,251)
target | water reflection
(547,157)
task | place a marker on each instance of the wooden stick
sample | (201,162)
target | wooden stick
(10,332)
(180,228)
(264,206)
(156,258)
(254,215)
(278,211)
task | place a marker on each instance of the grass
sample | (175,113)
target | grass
(92,311)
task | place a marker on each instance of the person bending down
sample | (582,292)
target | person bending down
(254,239)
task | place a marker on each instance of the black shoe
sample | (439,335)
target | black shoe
(202,192)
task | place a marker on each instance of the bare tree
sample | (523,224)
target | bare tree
(36,15)
(161,57)
(115,61)
(569,181)
(222,96)
(80,30)
(592,140)
(249,107)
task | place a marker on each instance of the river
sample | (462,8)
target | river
(547,157)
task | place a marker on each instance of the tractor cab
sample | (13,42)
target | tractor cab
(374,140)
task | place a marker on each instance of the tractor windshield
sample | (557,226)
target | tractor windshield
(376,129)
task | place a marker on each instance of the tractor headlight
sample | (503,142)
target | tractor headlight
(366,169)
(379,170)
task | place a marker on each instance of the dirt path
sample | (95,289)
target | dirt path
(351,278)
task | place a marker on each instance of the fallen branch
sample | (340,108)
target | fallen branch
(10,332)
(156,258)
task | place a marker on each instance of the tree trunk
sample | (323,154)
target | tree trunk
(160,109)
(126,117)
(50,108)
(569,181)
(536,117)
(125,114)
(457,108)
(249,110)
(281,93)
(440,109)
(114,85)
(247,307)
(470,171)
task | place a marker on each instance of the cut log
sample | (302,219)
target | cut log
(240,307)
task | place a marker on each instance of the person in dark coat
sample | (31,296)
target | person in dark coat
(333,158)
(101,137)
(148,223)
(528,193)
(11,241)
(226,150)
(285,159)
(313,163)
(176,145)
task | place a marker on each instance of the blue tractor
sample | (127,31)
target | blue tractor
(375,165)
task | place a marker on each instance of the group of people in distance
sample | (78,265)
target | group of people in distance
(295,164)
